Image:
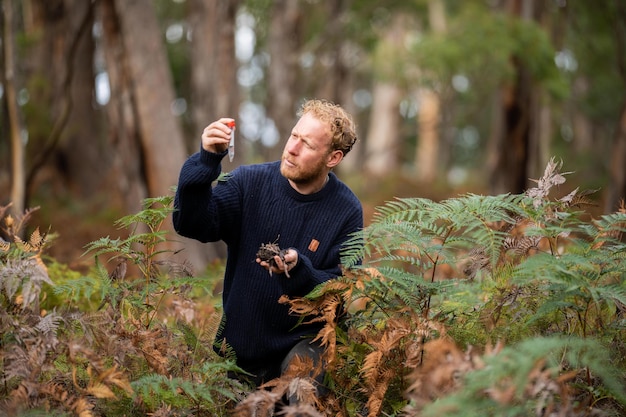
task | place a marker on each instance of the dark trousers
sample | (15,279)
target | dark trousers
(305,349)
(314,351)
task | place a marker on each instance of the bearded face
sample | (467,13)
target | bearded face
(306,157)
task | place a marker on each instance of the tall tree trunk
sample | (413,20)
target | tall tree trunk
(581,124)
(126,177)
(541,129)
(333,57)
(18,178)
(284,45)
(382,146)
(160,134)
(334,74)
(59,130)
(82,153)
(382,143)
(510,173)
(428,120)
(148,86)
(427,150)
(617,170)
(545,131)
(214,87)
(510,164)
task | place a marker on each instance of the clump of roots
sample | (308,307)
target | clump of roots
(268,251)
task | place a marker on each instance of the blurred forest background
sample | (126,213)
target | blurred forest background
(102,100)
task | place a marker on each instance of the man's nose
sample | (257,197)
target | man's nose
(292,146)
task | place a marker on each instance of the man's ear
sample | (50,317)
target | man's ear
(334,158)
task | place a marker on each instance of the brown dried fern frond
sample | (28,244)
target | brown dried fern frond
(303,390)
(100,377)
(477,260)
(302,367)
(552,393)
(28,273)
(443,365)
(377,394)
(260,403)
(100,382)
(296,385)
(50,395)
(397,343)
(579,199)
(523,245)
(77,405)
(323,309)
(34,244)
(376,362)
(25,358)
(300,410)
(613,233)
(155,346)
(12,227)
(372,366)
(551,177)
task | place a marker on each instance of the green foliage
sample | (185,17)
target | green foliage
(522,269)
(477,39)
(207,394)
(101,346)
(528,285)
(508,379)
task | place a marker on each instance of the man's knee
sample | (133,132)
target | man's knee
(310,363)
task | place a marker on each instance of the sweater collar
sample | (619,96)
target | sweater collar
(327,189)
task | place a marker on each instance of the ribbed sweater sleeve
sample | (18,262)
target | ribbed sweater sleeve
(194,216)
(253,205)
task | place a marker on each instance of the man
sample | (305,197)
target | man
(297,202)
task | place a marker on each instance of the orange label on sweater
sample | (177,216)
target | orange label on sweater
(314,245)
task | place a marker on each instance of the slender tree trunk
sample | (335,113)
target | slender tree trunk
(540,134)
(427,150)
(541,128)
(616,191)
(428,120)
(382,143)
(18,178)
(383,146)
(581,124)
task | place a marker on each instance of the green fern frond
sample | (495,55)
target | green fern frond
(105,245)
(424,228)
(79,289)
(184,394)
(519,368)
(154,212)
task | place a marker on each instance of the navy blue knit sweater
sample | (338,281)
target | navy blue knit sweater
(253,205)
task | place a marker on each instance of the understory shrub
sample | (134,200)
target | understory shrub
(507,305)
